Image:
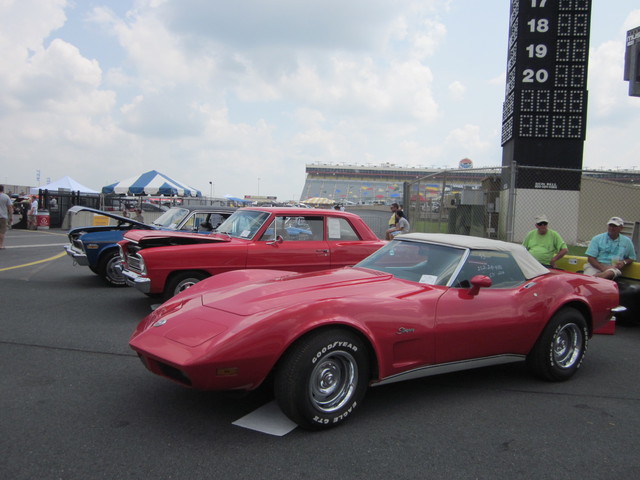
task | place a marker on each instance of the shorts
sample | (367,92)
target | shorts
(397,232)
(4,225)
(590,270)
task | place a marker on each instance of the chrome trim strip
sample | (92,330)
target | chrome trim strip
(430,370)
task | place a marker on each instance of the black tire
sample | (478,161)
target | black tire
(110,268)
(322,379)
(560,350)
(181,281)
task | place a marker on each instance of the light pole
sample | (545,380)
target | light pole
(211,191)
(258,186)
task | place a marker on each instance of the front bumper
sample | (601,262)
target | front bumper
(79,257)
(137,281)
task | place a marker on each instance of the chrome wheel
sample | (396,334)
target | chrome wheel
(568,346)
(333,381)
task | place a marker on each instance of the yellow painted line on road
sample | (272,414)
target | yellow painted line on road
(55,257)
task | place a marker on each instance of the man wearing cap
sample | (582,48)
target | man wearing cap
(609,252)
(546,245)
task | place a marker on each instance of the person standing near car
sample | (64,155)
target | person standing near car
(33,213)
(609,252)
(546,245)
(6,215)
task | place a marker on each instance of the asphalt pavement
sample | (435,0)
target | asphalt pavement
(76,403)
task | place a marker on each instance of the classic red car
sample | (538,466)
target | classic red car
(299,240)
(422,305)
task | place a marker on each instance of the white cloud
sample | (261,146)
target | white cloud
(457,90)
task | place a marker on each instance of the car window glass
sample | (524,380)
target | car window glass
(171,218)
(200,222)
(416,261)
(295,228)
(341,229)
(500,267)
(243,223)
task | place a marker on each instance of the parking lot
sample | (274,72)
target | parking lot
(77,404)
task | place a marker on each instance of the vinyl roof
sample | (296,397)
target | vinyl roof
(530,266)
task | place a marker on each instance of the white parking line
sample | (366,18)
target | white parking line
(267,419)
(39,245)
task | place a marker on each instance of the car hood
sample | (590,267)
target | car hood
(79,208)
(252,291)
(162,237)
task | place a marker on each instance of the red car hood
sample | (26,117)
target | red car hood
(252,291)
(145,235)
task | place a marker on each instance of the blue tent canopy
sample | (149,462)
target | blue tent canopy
(237,199)
(151,183)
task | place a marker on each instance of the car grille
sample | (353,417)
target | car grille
(76,244)
(134,262)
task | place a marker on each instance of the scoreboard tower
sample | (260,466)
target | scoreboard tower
(545,107)
(544,113)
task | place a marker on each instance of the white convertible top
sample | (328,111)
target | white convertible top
(530,266)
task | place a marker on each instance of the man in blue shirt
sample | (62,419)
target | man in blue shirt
(609,252)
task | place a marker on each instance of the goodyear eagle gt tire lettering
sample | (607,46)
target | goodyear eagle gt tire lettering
(323,379)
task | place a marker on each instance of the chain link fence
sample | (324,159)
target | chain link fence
(502,202)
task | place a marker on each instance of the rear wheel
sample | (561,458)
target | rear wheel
(559,351)
(182,281)
(110,268)
(323,379)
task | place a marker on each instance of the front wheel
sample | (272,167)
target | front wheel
(111,269)
(322,379)
(181,282)
(559,351)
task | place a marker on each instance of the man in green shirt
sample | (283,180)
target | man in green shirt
(546,245)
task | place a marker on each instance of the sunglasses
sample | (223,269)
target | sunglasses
(541,224)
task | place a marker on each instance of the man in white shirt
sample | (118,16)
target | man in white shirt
(6,215)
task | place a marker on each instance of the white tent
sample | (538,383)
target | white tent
(151,183)
(65,183)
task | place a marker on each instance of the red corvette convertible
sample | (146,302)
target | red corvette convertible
(424,304)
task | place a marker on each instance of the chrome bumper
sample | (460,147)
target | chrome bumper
(137,281)
(78,257)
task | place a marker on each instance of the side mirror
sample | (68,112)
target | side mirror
(477,282)
(277,241)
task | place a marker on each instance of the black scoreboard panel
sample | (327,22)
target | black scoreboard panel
(632,62)
(545,107)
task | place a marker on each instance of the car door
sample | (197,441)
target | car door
(502,319)
(291,243)
(346,246)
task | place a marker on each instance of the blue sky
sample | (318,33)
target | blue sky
(233,92)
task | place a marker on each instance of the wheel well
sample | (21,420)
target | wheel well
(373,360)
(105,252)
(583,309)
(175,273)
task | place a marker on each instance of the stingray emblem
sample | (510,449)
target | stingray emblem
(403,331)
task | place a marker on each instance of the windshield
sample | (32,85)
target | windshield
(171,218)
(243,224)
(416,261)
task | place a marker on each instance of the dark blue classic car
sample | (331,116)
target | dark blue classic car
(97,246)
